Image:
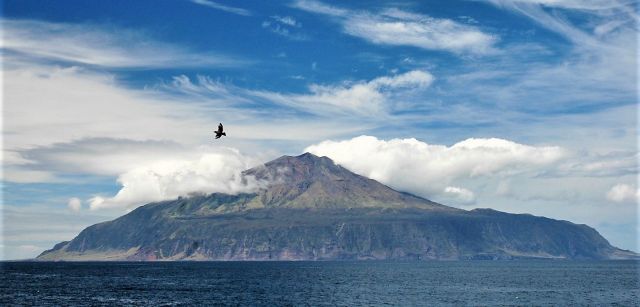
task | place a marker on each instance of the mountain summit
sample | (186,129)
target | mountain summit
(309,208)
(309,181)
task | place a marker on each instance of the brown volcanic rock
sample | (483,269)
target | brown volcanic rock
(308,181)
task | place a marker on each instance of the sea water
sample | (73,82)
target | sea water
(452,283)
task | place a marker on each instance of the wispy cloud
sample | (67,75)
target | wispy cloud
(363,98)
(600,71)
(352,98)
(402,28)
(103,156)
(571,4)
(96,45)
(222,7)
(287,20)
(285,26)
(606,16)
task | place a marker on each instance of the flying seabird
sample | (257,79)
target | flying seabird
(219,133)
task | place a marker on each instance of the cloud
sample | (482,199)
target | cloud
(552,181)
(74,103)
(14,158)
(320,8)
(621,193)
(74,204)
(287,20)
(222,7)
(21,175)
(601,70)
(460,196)
(282,31)
(609,21)
(594,71)
(87,122)
(103,156)
(611,164)
(214,171)
(42,226)
(95,45)
(68,120)
(376,97)
(569,4)
(285,26)
(610,15)
(401,28)
(429,170)
(365,98)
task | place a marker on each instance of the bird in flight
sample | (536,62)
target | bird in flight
(220,133)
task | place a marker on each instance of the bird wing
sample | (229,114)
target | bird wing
(220,127)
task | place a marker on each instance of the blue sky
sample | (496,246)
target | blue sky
(525,106)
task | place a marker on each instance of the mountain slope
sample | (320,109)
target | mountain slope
(313,209)
(308,181)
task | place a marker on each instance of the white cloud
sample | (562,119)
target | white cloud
(460,196)
(287,20)
(613,164)
(74,204)
(75,121)
(569,4)
(14,158)
(427,170)
(283,31)
(285,26)
(97,106)
(549,181)
(106,46)
(370,98)
(365,98)
(623,193)
(222,7)
(396,27)
(606,16)
(596,71)
(88,123)
(214,171)
(104,156)
(20,175)
(320,8)
(415,78)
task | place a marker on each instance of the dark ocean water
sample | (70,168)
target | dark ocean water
(557,283)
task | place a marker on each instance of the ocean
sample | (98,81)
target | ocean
(367,283)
